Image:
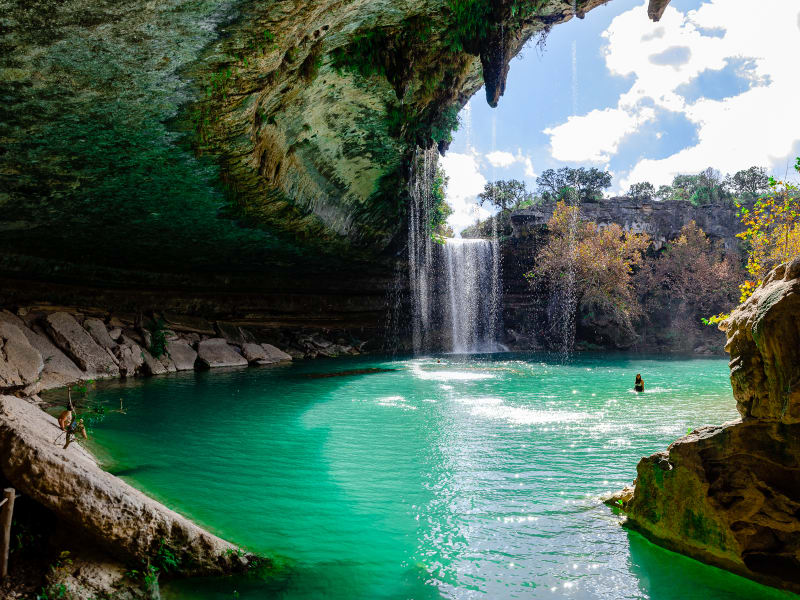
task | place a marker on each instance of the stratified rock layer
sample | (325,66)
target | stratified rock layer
(119,518)
(730,495)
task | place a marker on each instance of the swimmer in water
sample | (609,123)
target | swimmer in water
(638,385)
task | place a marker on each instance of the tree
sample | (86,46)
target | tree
(642,191)
(602,261)
(749,183)
(505,195)
(586,184)
(664,193)
(706,187)
(772,234)
(440,209)
(692,277)
(773,230)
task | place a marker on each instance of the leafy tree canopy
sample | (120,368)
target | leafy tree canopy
(642,191)
(505,195)
(581,183)
(748,183)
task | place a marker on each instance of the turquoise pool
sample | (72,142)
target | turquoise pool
(473,477)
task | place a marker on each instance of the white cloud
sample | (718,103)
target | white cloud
(595,137)
(464,184)
(504,160)
(757,126)
(529,172)
(499,158)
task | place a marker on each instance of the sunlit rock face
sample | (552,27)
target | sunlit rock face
(661,221)
(730,495)
(161,143)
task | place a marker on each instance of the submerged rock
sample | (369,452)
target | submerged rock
(730,495)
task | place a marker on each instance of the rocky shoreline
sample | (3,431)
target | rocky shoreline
(110,525)
(101,526)
(47,347)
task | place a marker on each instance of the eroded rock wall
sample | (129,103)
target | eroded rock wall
(231,137)
(730,495)
(529,309)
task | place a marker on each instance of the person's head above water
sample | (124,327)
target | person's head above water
(638,377)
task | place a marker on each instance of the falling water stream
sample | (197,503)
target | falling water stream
(454,285)
(473,293)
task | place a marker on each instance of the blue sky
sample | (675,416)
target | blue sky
(714,83)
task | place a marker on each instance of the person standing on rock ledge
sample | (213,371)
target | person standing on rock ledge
(69,424)
(638,385)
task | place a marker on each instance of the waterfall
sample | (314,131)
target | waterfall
(420,246)
(473,294)
(565,296)
(454,287)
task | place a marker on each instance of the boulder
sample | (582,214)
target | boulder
(730,495)
(129,356)
(76,342)
(152,365)
(114,333)
(168,363)
(256,355)
(97,329)
(20,363)
(116,516)
(58,369)
(764,344)
(275,354)
(216,352)
(182,355)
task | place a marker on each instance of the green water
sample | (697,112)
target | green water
(475,478)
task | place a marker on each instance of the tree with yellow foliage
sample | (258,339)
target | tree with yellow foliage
(772,234)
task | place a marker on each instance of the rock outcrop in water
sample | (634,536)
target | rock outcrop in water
(97,506)
(730,495)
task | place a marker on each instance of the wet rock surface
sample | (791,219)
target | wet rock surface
(730,495)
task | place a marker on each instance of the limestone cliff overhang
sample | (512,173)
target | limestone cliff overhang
(237,137)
